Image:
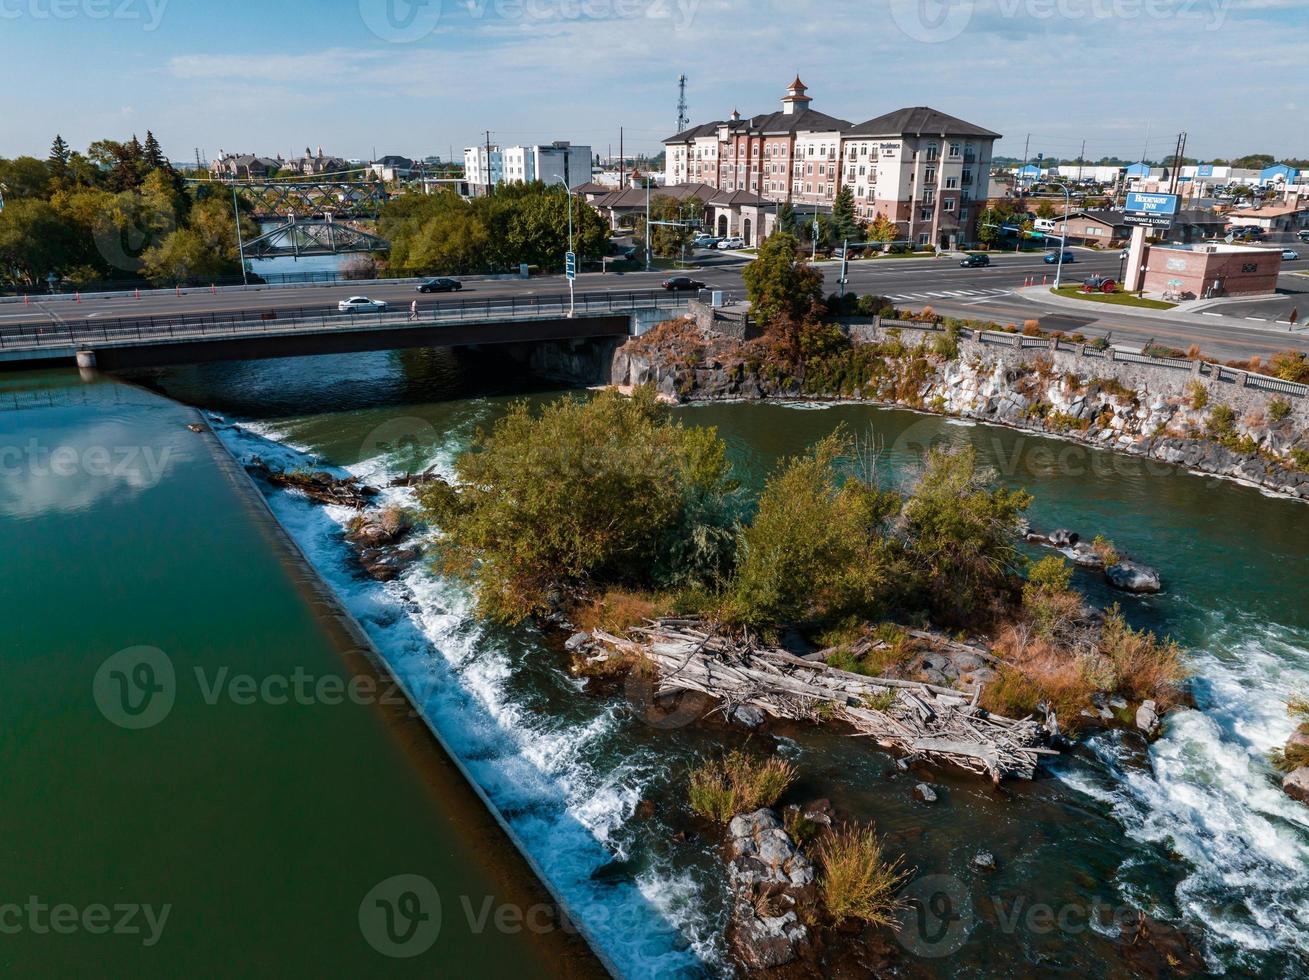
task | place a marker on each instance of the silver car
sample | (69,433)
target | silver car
(361,304)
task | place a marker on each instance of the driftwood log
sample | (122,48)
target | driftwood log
(323,488)
(923,721)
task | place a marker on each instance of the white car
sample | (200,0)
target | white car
(1290,254)
(361,304)
(730,243)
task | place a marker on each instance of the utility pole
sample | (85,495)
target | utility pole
(487,173)
(1081,157)
(240,240)
(1022,174)
(622,162)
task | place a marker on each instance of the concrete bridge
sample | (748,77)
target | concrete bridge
(195,338)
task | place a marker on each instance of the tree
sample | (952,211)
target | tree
(779,283)
(206,249)
(669,241)
(961,532)
(787,221)
(24,177)
(817,549)
(57,162)
(153,154)
(882,229)
(845,223)
(35,240)
(585,492)
(1045,210)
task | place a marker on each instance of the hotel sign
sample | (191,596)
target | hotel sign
(1150,210)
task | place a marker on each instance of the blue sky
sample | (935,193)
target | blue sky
(417,78)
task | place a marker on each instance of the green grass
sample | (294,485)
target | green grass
(857,880)
(737,783)
(1113,299)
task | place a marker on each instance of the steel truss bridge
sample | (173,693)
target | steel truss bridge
(306,198)
(314,237)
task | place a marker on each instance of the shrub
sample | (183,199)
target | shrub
(737,783)
(1197,395)
(1221,424)
(1290,365)
(605,492)
(857,881)
(1050,574)
(816,549)
(1289,759)
(1146,666)
(960,531)
(1105,550)
(1279,409)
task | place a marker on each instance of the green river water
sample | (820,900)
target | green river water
(265,826)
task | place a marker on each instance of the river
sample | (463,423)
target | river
(1196,833)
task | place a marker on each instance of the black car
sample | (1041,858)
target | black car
(679,283)
(441,284)
(975,261)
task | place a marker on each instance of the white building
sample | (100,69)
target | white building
(547,162)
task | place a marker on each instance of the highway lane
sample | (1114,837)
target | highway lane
(986,293)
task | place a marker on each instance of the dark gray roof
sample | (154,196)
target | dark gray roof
(705,129)
(769,124)
(634,197)
(919,121)
(748,198)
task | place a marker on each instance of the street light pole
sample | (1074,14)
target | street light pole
(1063,239)
(240,240)
(648,246)
(568,199)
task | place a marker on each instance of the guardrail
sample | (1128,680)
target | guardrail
(256,322)
(1218,372)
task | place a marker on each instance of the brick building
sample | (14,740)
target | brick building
(923,169)
(1211,269)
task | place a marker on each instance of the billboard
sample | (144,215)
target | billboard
(1205,170)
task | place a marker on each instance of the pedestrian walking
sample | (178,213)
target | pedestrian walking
(413,311)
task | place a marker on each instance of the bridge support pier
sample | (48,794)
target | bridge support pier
(86,359)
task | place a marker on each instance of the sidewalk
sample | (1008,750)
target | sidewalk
(1189,312)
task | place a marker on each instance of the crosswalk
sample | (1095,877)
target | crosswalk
(949,294)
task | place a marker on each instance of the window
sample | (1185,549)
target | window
(924,237)
(963,214)
(947,204)
(951,183)
(929,175)
(830,190)
(929,196)
(968,177)
(925,214)
(954,149)
(933,151)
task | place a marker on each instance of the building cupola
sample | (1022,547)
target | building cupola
(796,100)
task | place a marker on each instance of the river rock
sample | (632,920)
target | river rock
(984,861)
(769,877)
(386,564)
(1084,556)
(747,715)
(1296,784)
(1063,538)
(1132,577)
(1147,718)
(577,642)
(924,793)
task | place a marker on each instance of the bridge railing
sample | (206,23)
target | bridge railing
(255,322)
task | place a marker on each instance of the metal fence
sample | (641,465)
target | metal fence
(256,322)
(1209,369)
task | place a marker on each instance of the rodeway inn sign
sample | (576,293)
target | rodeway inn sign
(1151,210)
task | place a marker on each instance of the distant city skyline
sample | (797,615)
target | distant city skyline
(427,77)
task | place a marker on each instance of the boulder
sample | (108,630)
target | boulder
(577,642)
(1132,577)
(744,714)
(924,793)
(984,861)
(1147,718)
(1063,538)
(1296,784)
(1084,556)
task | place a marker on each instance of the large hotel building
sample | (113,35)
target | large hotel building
(926,171)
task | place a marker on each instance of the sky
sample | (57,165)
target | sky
(420,77)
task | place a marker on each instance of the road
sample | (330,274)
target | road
(986,294)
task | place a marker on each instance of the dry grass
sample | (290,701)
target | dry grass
(1289,759)
(857,881)
(618,610)
(1146,666)
(720,789)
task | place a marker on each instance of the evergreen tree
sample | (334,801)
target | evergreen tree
(845,223)
(58,160)
(154,154)
(787,221)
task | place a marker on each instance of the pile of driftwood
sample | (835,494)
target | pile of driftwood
(323,488)
(921,720)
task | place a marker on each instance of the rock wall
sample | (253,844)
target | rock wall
(1163,413)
